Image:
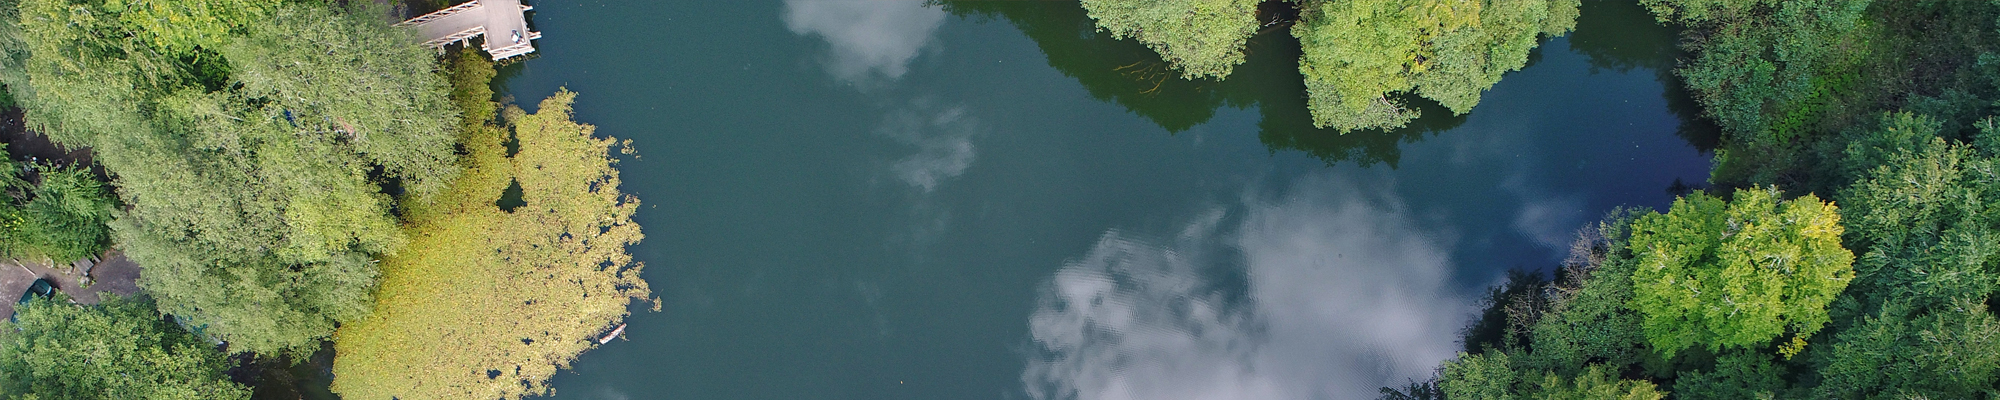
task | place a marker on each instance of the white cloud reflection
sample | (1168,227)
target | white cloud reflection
(868,37)
(1550,220)
(942,138)
(1343,294)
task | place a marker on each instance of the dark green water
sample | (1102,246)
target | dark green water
(879,200)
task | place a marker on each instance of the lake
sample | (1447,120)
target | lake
(884,200)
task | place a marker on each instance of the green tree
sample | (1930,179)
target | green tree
(516,294)
(66,218)
(1738,273)
(187,25)
(1738,375)
(1480,376)
(252,141)
(1771,71)
(1360,55)
(1920,211)
(1201,38)
(379,93)
(1596,383)
(1469,59)
(1589,319)
(13,54)
(119,349)
(1490,376)
(60,217)
(471,76)
(1767,68)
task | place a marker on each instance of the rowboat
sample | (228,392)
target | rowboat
(613,335)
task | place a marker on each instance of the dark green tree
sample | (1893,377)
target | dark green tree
(1738,375)
(1765,69)
(66,218)
(1920,209)
(1589,319)
(59,216)
(1948,353)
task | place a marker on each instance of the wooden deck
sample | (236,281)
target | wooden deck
(504,23)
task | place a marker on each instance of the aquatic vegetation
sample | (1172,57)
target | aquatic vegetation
(488,303)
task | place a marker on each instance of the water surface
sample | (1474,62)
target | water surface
(882,200)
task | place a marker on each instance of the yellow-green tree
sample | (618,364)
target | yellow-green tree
(1360,55)
(1737,273)
(1201,38)
(1597,383)
(488,303)
(1491,376)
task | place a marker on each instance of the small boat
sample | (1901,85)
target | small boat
(613,335)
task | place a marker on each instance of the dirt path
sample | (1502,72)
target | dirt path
(114,274)
(23,143)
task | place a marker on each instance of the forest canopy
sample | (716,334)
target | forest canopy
(253,162)
(1888,108)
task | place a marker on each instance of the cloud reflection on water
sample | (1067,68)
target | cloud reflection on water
(867,36)
(942,138)
(1343,293)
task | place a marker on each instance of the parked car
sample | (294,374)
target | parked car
(41,288)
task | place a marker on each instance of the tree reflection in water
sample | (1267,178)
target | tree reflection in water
(1620,36)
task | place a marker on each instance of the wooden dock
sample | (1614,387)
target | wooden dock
(504,23)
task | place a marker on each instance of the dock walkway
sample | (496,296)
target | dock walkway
(503,22)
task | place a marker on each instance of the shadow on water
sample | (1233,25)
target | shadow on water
(287,378)
(1129,74)
(1621,36)
(507,70)
(1613,35)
